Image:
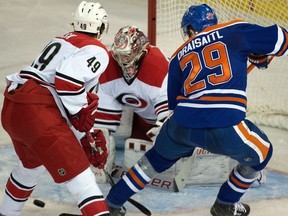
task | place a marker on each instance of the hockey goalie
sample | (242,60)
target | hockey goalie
(135,80)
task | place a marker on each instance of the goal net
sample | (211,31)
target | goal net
(268,89)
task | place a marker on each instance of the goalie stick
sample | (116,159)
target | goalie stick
(139,206)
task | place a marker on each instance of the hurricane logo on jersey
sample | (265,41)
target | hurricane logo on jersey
(132,100)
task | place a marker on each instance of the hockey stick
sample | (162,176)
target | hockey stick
(142,208)
(68,214)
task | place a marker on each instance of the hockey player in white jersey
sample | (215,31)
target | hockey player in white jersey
(136,78)
(48,107)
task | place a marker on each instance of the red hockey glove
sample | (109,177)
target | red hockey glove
(98,154)
(260,61)
(92,97)
(84,119)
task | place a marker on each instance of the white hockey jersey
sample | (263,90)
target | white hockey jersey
(146,95)
(69,66)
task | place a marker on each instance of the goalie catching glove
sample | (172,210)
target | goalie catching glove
(97,154)
(84,119)
(260,61)
(154,131)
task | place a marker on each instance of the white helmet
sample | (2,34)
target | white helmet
(92,18)
(128,49)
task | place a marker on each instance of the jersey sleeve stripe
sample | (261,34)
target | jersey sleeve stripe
(69,78)
(285,44)
(281,44)
(31,75)
(71,93)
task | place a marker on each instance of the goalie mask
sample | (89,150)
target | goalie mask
(128,49)
(197,18)
(91,17)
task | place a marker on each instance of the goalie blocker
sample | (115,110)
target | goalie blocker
(195,170)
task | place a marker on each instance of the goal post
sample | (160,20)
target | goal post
(267,90)
(152,21)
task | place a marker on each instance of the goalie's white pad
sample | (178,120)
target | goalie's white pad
(202,168)
(110,144)
(205,168)
(134,150)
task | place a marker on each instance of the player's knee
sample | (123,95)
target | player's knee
(28,177)
(159,163)
(264,163)
(247,171)
(147,167)
(83,185)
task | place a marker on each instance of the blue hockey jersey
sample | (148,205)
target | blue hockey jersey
(207,75)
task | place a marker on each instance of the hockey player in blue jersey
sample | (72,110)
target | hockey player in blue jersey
(207,81)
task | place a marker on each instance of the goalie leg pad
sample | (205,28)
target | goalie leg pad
(134,150)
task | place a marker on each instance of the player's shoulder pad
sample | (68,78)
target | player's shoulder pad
(154,67)
(210,29)
(112,72)
(81,40)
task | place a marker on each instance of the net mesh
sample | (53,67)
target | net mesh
(267,90)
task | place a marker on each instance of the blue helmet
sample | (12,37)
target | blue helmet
(198,17)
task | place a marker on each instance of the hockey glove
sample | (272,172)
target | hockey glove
(97,154)
(84,119)
(154,131)
(260,61)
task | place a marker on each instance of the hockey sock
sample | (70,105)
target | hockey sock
(234,188)
(16,194)
(89,196)
(94,205)
(132,182)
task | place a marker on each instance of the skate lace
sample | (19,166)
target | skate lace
(238,207)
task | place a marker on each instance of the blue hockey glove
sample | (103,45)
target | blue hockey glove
(260,61)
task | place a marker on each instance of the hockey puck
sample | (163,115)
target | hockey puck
(39,203)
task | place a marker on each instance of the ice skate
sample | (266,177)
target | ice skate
(238,209)
(117,211)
